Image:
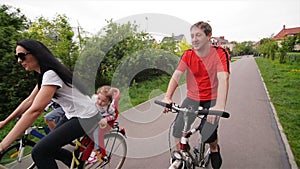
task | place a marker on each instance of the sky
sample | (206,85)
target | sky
(236,20)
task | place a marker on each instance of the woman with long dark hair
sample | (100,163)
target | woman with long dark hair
(54,82)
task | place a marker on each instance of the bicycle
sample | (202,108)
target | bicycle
(185,158)
(115,146)
(114,140)
(18,155)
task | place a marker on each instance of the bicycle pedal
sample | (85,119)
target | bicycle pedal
(102,158)
(105,159)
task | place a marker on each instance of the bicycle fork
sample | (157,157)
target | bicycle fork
(183,157)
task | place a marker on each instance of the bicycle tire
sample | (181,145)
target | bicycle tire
(116,150)
(9,158)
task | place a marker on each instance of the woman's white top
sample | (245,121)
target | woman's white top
(73,102)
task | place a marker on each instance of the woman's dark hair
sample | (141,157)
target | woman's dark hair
(48,61)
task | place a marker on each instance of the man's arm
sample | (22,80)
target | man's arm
(174,81)
(223,86)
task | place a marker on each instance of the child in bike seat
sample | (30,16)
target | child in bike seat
(104,100)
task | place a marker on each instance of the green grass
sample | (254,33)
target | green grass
(38,122)
(138,93)
(283,83)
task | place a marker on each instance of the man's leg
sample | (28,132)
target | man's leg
(215,155)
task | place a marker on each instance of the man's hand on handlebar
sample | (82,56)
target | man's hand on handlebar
(213,118)
(168,101)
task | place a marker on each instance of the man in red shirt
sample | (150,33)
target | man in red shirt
(207,82)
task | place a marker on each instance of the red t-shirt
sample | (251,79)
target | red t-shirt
(202,81)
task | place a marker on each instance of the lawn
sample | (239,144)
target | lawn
(283,83)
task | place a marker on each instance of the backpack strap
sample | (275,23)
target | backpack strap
(220,50)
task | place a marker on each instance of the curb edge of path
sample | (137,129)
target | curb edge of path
(287,147)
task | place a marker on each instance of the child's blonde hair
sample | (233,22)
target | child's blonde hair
(106,91)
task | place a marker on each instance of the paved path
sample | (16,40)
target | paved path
(249,139)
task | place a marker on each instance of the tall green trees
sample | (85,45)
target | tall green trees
(15,83)
(58,35)
(119,50)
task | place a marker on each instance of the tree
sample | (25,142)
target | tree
(58,35)
(268,47)
(182,46)
(244,48)
(15,83)
(287,45)
(113,46)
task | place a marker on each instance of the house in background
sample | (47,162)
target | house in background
(287,32)
(177,39)
(221,41)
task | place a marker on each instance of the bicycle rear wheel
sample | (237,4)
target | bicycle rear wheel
(116,150)
(9,158)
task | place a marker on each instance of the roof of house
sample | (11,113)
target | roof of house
(286,32)
(177,38)
(220,40)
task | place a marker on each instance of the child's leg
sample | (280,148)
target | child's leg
(101,132)
(96,136)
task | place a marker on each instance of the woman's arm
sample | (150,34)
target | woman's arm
(21,108)
(41,100)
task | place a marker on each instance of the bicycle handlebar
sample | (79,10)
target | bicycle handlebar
(205,112)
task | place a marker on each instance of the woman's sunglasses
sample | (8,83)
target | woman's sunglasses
(21,56)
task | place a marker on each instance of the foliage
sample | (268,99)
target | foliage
(57,35)
(106,51)
(268,47)
(244,48)
(181,47)
(144,65)
(15,82)
(168,44)
(287,45)
(290,42)
(282,81)
(293,57)
(140,92)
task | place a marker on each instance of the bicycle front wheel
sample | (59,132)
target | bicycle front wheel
(10,157)
(116,150)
